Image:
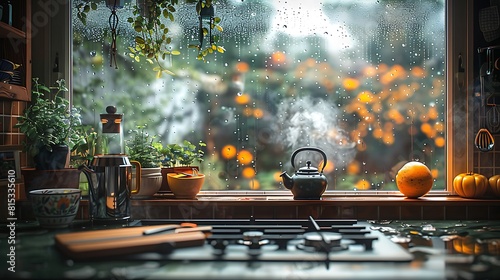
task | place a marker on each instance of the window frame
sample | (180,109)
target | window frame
(459,145)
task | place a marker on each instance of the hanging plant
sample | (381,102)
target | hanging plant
(207,23)
(153,41)
(83,9)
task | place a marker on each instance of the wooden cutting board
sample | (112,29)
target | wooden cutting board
(114,242)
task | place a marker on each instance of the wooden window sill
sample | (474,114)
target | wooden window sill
(430,207)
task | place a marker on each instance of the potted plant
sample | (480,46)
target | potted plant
(48,124)
(153,40)
(180,158)
(141,148)
(83,152)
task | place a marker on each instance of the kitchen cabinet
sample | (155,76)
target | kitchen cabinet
(15,46)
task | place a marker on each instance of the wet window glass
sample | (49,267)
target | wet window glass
(364,81)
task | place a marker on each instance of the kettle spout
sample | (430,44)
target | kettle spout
(287,180)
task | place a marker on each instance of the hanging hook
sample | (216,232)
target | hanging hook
(460,75)
(113,25)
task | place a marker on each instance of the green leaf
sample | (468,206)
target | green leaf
(221,49)
(139,40)
(169,72)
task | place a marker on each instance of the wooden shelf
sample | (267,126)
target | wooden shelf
(7,31)
(15,43)
(14,92)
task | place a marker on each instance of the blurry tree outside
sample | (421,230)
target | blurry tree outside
(362,80)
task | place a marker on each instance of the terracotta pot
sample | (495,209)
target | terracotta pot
(185,187)
(165,170)
(34,179)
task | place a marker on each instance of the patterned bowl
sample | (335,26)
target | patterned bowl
(55,208)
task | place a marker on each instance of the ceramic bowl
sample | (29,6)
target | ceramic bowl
(55,208)
(183,186)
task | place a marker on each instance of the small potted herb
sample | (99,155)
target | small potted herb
(143,149)
(83,153)
(178,158)
(49,125)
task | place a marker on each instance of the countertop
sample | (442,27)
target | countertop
(452,249)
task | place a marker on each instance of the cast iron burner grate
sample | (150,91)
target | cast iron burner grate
(336,240)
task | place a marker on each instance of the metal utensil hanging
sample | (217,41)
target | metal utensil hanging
(493,114)
(484,141)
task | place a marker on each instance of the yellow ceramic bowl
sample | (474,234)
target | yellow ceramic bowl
(55,208)
(184,186)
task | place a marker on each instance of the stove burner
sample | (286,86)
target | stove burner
(253,239)
(322,242)
(289,240)
(315,239)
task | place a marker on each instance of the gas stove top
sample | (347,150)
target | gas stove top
(289,240)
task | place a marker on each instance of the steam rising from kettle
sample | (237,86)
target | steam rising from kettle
(314,122)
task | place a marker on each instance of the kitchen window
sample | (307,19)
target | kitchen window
(365,81)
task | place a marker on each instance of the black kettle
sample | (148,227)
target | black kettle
(307,182)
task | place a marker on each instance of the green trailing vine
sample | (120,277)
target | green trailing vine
(153,40)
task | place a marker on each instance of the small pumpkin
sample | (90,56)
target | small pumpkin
(468,245)
(494,184)
(470,185)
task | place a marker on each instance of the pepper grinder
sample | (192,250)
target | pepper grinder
(112,131)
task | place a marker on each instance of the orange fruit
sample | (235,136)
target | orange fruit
(414,179)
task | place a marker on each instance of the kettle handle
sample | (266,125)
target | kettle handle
(309,149)
(137,176)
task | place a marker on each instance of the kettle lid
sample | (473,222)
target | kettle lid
(308,170)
